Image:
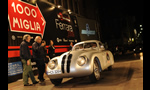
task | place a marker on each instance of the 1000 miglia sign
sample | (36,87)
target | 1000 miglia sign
(26,18)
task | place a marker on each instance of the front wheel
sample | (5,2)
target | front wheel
(56,82)
(110,68)
(95,76)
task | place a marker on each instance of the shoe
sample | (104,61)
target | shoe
(42,83)
(28,84)
(36,82)
(42,80)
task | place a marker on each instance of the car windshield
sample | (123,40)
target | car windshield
(90,45)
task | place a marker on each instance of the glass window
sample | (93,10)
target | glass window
(77,47)
(90,45)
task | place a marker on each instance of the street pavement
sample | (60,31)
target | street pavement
(127,74)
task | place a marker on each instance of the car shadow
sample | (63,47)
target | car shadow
(108,78)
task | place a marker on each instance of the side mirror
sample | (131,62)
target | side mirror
(102,47)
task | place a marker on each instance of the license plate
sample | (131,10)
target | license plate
(54,72)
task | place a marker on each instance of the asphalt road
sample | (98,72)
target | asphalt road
(127,74)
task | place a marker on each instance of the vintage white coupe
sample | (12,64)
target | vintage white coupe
(87,58)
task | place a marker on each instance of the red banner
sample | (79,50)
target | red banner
(26,18)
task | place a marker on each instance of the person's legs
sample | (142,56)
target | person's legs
(41,70)
(30,73)
(25,72)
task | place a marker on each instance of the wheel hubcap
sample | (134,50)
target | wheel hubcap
(96,70)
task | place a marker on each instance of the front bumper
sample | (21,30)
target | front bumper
(77,71)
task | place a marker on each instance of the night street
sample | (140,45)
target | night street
(127,74)
(75,44)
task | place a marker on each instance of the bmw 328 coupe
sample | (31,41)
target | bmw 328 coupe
(87,58)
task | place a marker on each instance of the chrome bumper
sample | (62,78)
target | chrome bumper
(74,72)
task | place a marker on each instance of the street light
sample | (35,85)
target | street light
(140,25)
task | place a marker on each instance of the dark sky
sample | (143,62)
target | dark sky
(115,14)
(130,7)
(115,8)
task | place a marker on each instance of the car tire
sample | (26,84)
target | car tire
(95,76)
(56,82)
(110,68)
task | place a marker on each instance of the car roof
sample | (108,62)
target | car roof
(87,41)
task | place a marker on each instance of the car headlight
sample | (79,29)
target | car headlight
(81,61)
(51,64)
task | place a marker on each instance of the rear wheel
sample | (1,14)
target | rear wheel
(56,82)
(95,76)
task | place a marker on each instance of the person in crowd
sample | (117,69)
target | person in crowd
(25,56)
(71,45)
(43,57)
(51,49)
(38,55)
(43,53)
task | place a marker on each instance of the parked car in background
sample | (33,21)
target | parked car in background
(138,48)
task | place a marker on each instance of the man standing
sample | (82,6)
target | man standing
(38,58)
(26,60)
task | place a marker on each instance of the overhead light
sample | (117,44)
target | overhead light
(51,8)
(69,10)
(141,28)
(59,6)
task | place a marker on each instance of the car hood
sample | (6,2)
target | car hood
(77,53)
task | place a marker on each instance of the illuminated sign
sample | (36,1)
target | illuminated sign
(62,25)
(26,18)
(62,17)
(88,32)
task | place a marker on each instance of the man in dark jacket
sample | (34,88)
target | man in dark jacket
(37,50)
(26,60)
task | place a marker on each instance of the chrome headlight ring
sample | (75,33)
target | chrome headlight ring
(81,60)
(52,64)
